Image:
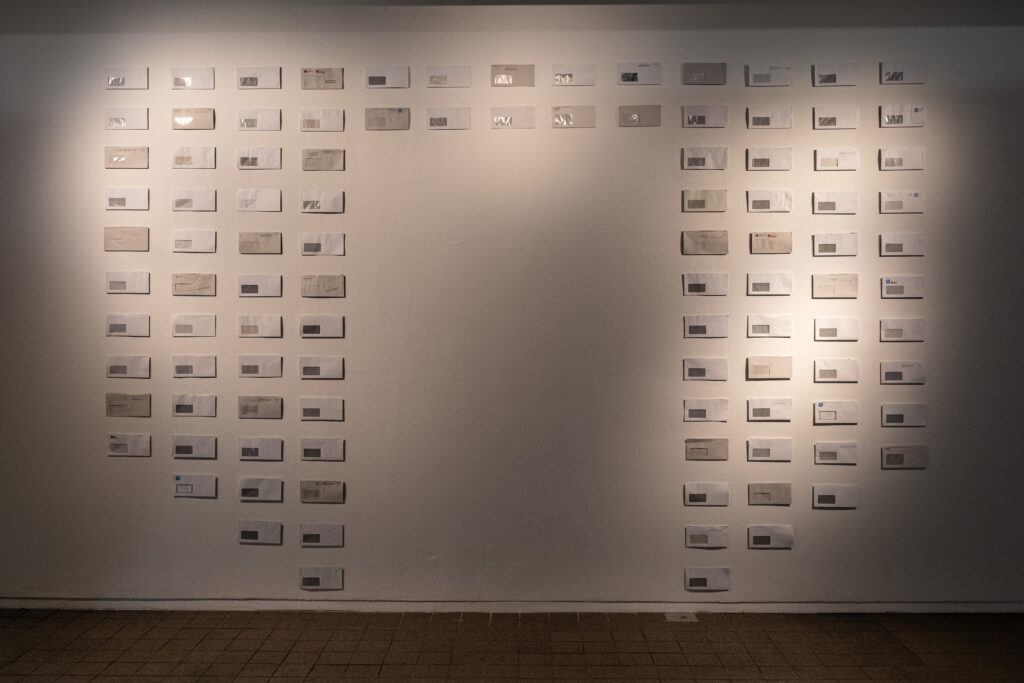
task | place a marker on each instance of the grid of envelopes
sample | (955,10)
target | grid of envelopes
(274,305)
(838,294)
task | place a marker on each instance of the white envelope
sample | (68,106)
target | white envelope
(323,160)
(321,367)
(705,115)
(901,372)
(769,201)
(382,76)
(707,536)
(193,325)
(253,284)
(125,239)
(706,410)
(260,490)
(258,200)
(705,158)
(770,325)
(258,77)
(325,409)
(194,405)
(258,119)
(707,326)
(836,412)
(195,486)
(903,287)
(449,76)
(193,284)
(829,75)
(387,118)
(266,448)
(901,159)
(512,117)
(836,370)
(836,329)
(898,73)
(126,77)
(126,199)
(901,244)
(836,159)
(834,243)
(259,366)
(126,157)
(706,493)
(323,286)
(705,73)
(126,118)
(193,365)
(128,405)
(835,201)
(769,284)
(322,201)
(573,74)
(834,286)
(192,118)
(768,75)
(706,578)
(192,78)
(129,445)
(322,535)
(134,367)
(770,450)
(707,242)
(259,533)
(770,493)
(769,367)
(705,200)
(260,408)
(836,117)
(259,243)
(835,453)
(313,120)
(581,116)
(194,157)
(835,496)
(904,457)
(512,75)
(901,201)
(321,578)
(904,415)
(639,116)
(901,329)
(770,117)
(901,116)
(266,325)
(705,284)
(706,369)
(127,282)
(322,326)
(322,243)
(707,449)
(193,200)
(322,78)
(322,448)
(769,409)
(258,158)
(331,492)
(448,118)
(127,324)
(769,158)
(639,73)
(188,446)
(194,241)
(770,537)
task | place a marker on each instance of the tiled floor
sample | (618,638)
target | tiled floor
(37,645)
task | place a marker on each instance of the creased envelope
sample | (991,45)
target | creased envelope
(901,201)
(448,118)
(769,75)
(266,448)
(769,284)
(193,325)
(836,159)
(707,536)
(769,158)
(705,158)
(771,243)
(260,325)
(905,457)
(260,490)
(770,117)
(769,201)
(834,286)
(194,284)
(770,325)
(127,199)
(387,118)
(323,286)
(322,78)
(707,449)
(259,533)
(704,73)
(127,324)
(711,242)
(706,493)
(901,244)
(901,372)
(770,536)
(258,77)
(258,119)
(709,579)
(899,73)
(705,284)
(194,365)
(127,282)
(323,160)
(770,494)
(769,367)
(323,201)
(836,370)
(770,450)
(193,200)
(258,158)
(259,243)
(134,367)
(706,410)
(194,447)
(704,200)
(836,117)
(901,159)
(258,200)
(129,445)
(449,76)
(836,201)
(321,120)
(128,405)
(125,239)
(321,491)
(194,157)
(321,367)
(260,407)
(322,243)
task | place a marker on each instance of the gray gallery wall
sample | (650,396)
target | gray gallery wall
(514,313)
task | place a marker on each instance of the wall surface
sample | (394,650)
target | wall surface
(514,397)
